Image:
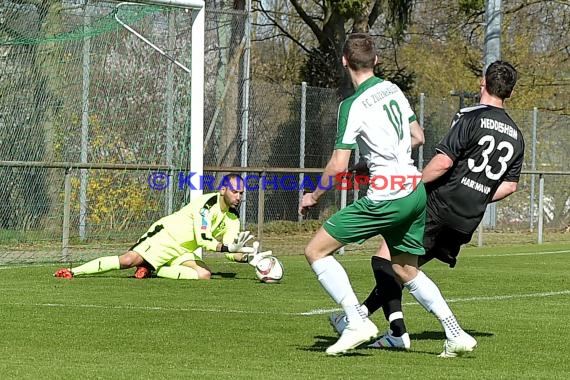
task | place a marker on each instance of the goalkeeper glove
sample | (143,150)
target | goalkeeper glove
(244,254)
(254,257)
(239,242)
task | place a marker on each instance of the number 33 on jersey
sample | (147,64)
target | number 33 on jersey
(487,148)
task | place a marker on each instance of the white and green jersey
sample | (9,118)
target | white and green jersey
(377,117)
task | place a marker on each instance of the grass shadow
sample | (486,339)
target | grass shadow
(224,274)
(440,335)
(322,342)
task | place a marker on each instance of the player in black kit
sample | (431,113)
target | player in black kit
(479,161)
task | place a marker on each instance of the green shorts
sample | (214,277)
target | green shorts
(401,222)
(158,248)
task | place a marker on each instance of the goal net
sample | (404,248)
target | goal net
(105,87)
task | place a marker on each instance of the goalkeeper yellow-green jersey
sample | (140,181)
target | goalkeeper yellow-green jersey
(201,223)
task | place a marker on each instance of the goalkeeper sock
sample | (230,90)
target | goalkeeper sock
(100,265)
(177,272)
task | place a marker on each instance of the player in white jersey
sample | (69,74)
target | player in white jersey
(379,119)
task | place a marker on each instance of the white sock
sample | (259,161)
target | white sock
(426,292)
(334,279)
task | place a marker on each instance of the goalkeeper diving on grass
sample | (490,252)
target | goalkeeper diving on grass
(173,245)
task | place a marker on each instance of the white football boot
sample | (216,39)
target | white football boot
(458,346)
(353,336)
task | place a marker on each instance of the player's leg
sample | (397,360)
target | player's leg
(145,270)
(442,243)
(404,221)
(390,291)
(432,228)
(185,267)
(373,302)
(426,292)
(104,264)
(376,298)
(392,219)
(432,231)
(404,244)
(335,281)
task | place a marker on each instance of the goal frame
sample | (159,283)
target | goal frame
(196,84)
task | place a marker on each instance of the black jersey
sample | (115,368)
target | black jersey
(487,148)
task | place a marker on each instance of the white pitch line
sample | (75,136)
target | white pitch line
(4,267)
(308,313)
(144,308)
(524,253)
(467,299)
(482,256)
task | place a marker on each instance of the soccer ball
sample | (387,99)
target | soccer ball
(269,270)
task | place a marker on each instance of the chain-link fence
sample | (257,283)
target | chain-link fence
(78,86)
(88,112)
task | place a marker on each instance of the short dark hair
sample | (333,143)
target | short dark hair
(359,51)
(225,182)
(500,79)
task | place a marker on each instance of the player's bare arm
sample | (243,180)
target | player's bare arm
(505,189)
(437,167)
(417,133)
(338,163)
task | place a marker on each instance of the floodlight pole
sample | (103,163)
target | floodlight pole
(493,21)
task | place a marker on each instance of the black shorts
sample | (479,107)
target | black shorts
(441,241)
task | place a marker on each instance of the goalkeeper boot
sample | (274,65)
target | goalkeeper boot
(142,272)
(353,336)
(63,273)
(458,346)
(390,341)
(338,321)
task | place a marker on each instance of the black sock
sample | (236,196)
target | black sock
(391,291)
(398,327)
(374,301)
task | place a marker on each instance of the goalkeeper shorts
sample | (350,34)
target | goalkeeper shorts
(158,248)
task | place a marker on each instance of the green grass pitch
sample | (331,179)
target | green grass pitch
(515,300)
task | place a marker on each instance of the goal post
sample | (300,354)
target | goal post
(197,84)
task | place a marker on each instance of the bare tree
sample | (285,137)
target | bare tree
(329,21)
